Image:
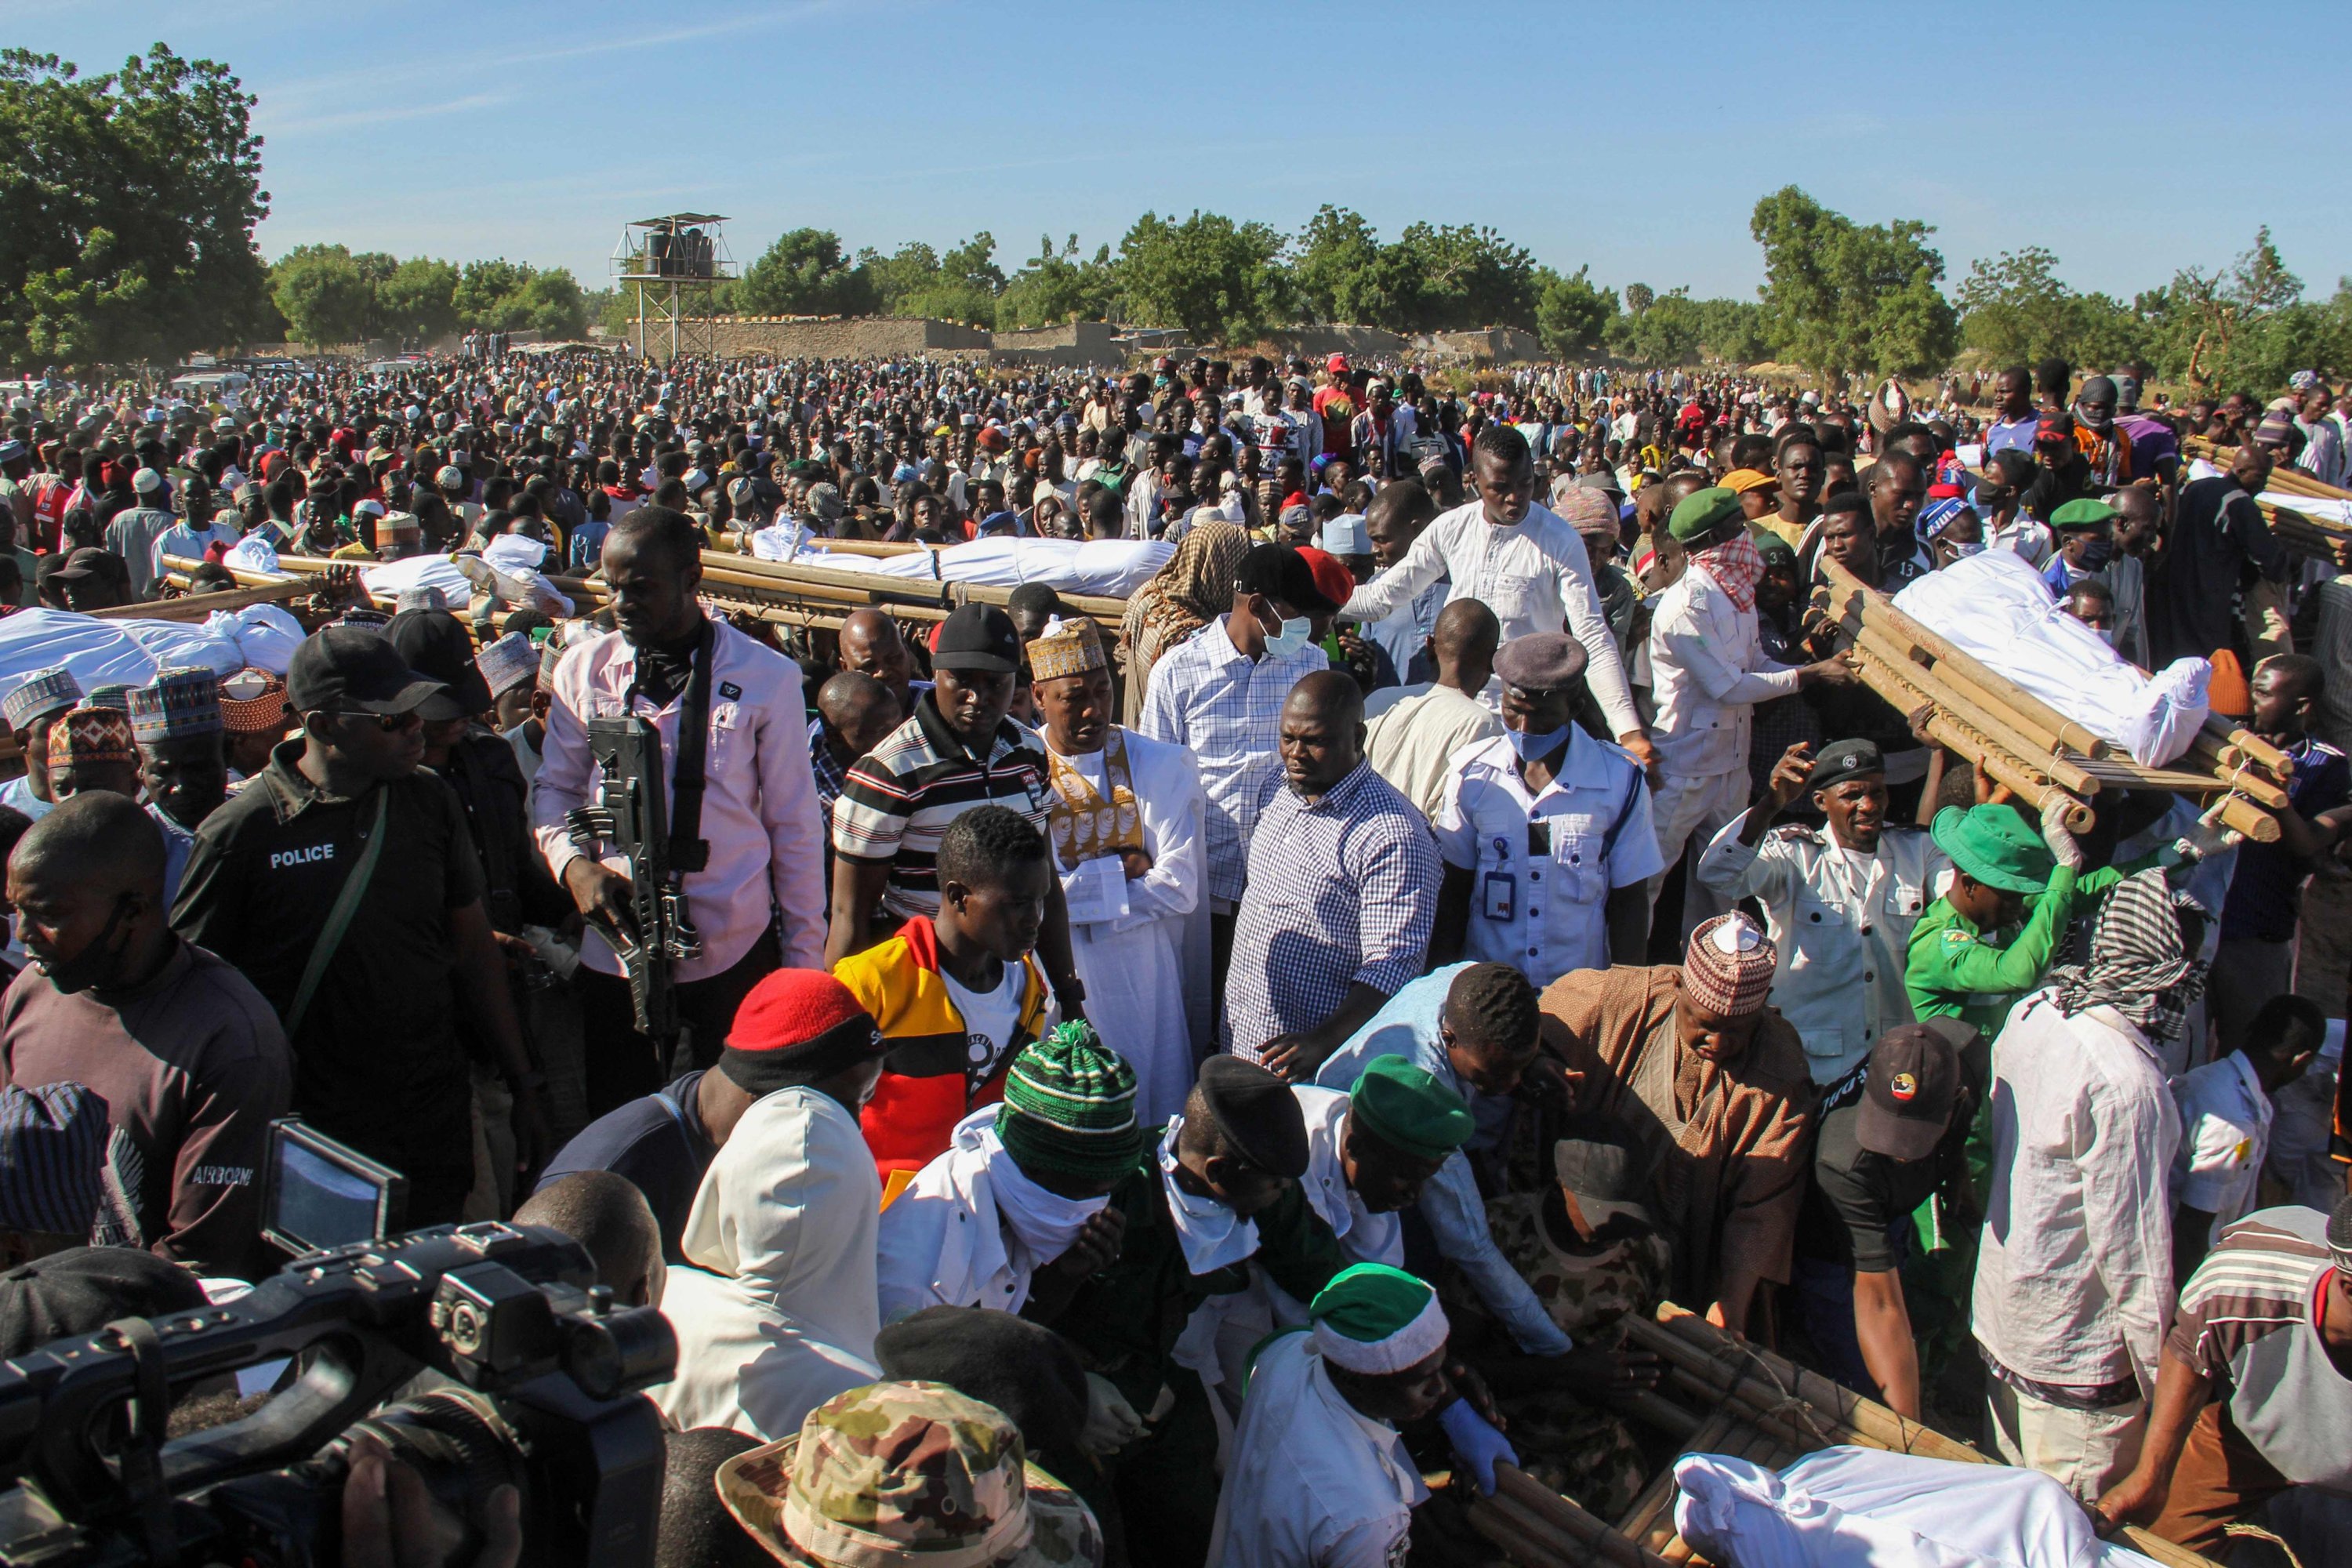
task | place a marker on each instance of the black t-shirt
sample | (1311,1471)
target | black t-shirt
(376,1056)
(1856,1196)
(659,1143)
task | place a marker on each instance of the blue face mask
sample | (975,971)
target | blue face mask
(1533,748)
(1297,632)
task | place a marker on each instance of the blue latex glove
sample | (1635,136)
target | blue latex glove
(1477,1443)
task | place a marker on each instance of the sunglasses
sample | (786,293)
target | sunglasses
(390,724)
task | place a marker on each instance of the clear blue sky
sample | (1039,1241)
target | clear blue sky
(1633,138)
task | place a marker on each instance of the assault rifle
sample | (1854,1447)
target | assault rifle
(629,814)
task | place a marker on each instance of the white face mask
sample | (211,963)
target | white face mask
(1046,1223)
(2106,634)
(1296,632)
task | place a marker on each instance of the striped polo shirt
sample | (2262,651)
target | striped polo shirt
(900,798)
(2249,1322)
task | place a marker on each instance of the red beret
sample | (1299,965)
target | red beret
(1332,578)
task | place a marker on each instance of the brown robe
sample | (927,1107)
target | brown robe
(1726,1191)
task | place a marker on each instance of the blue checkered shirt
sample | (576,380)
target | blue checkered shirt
(830,775)
(1208,695)
(1341,892)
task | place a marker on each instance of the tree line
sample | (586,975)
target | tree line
(129,201)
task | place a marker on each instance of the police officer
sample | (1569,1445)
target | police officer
(1839,900)
(1545,831)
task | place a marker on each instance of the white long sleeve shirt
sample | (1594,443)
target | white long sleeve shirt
(2075,1278)
(1533,574)
(1707,672)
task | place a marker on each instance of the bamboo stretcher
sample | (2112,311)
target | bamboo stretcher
(2304,534)
(819,598)
(1730,1397)
(2020,741)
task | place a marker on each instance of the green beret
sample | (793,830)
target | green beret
(2084,513)
(1701,512)
(1405,1108)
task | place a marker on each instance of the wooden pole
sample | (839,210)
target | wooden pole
(196,607)
(1993,723)
(1880,610)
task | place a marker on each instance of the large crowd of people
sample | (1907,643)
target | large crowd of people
(1186,1076)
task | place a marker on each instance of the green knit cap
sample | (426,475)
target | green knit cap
(1069,1107)
(1407,1109)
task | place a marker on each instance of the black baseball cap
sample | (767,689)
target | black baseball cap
(978,637)
(351,670)
(1279,571)
(1908,1097)
(434,645)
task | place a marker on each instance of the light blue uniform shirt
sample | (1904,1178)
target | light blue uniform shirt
(1407,1027)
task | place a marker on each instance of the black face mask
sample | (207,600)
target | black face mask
(97,963)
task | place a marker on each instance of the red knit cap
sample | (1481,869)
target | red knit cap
(791,1007)
(800,1022)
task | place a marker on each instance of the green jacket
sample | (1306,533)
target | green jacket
(1126,1320)
(1954,971)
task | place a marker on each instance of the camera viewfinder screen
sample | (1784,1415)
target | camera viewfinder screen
(320,1203)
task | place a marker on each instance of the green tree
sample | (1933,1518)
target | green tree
(1639,297)
(1341,272)
(803,273)
(2014,308)
(1841,297)
(1572,312)
(322,294)
(483,291)
(964,287)
(1731,331)
(1216,279)
(127,207)
(1463,278)
(897,278)
(550,303)
(1056,286)
(418,301)
(1667,331)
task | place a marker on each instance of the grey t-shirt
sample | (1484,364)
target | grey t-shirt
(2248,1321)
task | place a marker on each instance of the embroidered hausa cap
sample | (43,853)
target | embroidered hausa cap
(253,702)
(507,663)
(907,1473)
(180,702)
(89,735)
(1727,968)
(1072,646)
(43,694)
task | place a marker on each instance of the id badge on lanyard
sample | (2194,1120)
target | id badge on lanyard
(1499,891)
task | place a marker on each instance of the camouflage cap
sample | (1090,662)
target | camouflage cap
(899,1473)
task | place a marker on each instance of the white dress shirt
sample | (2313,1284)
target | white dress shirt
(2074,1278)
(1533,574)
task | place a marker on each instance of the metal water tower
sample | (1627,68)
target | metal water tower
(676,263)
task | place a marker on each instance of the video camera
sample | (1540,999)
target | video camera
(539,1373)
